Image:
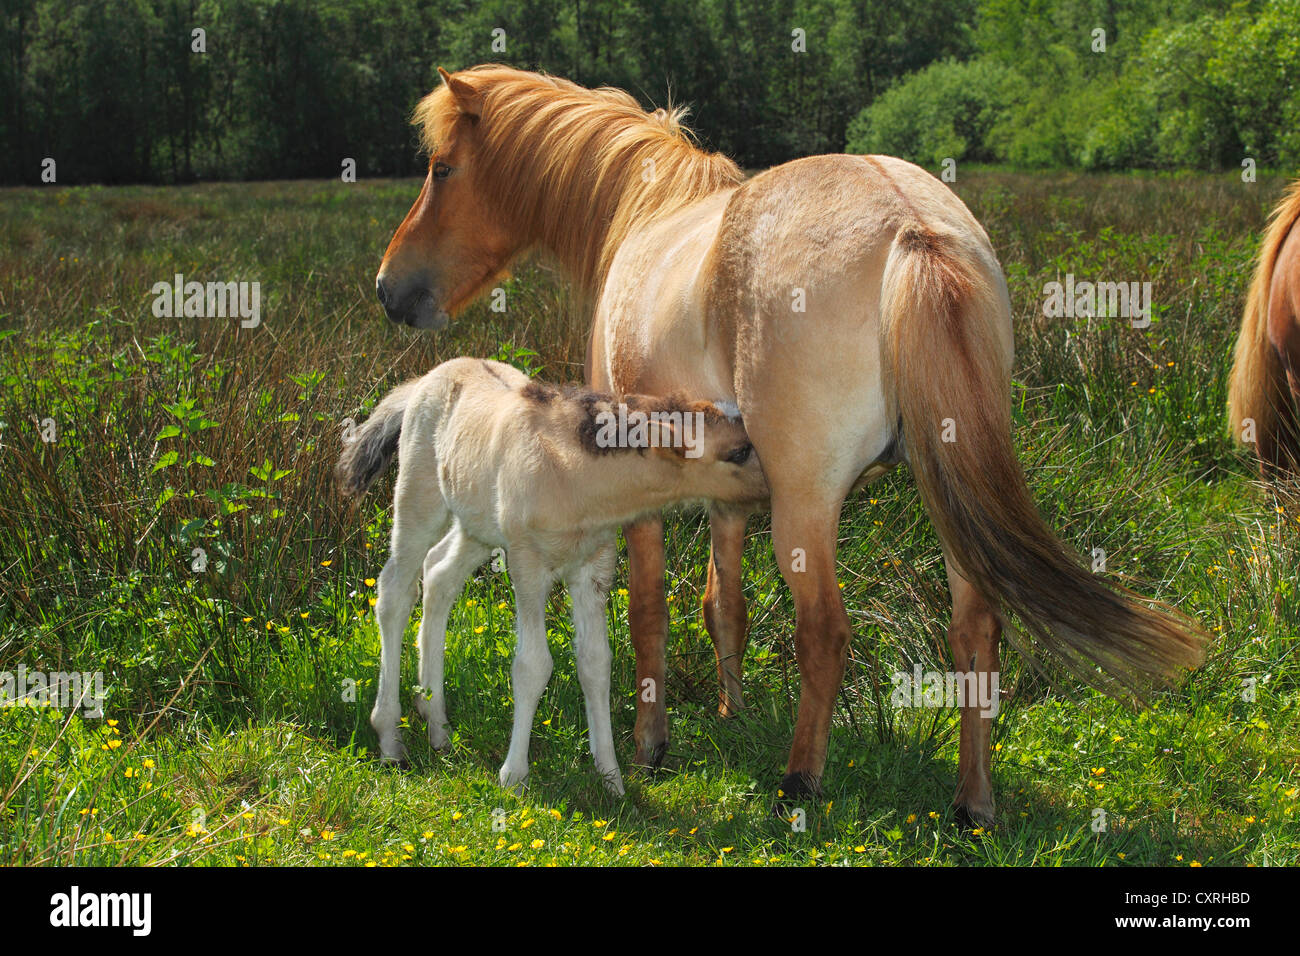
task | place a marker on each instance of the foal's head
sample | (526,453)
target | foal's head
(710,446)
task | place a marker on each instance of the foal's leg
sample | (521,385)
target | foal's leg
(724,604)
(532,666)
(447,565)
(419,515)
(647,618)
(973,636)
(588,590)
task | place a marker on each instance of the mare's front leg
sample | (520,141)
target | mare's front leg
(725,615)
(647,619)
(446,567)
(588,591)
(532,665)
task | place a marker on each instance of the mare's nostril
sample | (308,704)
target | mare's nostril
(381,290)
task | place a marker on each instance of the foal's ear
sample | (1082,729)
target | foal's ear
(468,100)
(665,441)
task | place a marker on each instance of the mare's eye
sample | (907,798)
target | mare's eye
(441,170)
(741,454)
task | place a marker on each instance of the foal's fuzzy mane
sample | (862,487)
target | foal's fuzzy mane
(564,164)
(588,405)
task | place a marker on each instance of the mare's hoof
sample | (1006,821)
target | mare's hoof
(729,708)
(654,758)
(796,789)
(973,818)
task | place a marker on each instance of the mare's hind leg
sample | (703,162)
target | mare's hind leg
(725,615)
(447,565)
(532,665)
(419,517)
(804,538)
(588,590)
(973,635)
(811,460)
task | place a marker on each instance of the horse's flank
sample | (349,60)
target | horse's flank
(1269,344)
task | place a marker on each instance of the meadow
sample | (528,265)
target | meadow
(167,518)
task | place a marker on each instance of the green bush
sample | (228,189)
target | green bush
(943,111)
(1225,87)
(1123,120)
(1188,88)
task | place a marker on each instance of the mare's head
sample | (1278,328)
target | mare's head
(518,159)
(452,243)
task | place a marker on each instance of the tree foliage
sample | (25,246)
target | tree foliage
(118,91)
(1178,84)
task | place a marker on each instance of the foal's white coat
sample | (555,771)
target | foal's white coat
(490,460)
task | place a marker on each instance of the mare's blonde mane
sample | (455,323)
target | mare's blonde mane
(575,168)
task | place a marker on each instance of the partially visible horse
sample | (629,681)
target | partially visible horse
(1265,385)
(854,310)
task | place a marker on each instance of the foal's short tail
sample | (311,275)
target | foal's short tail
(940,326)
(367,455)
(1258,388)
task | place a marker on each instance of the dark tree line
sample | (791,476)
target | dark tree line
(126,91)
(115,91)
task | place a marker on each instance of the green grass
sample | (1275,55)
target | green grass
(238,696)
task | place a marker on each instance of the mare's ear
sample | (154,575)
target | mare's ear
(468,99)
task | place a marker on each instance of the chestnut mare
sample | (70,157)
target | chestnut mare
(1265,385)
(850,306)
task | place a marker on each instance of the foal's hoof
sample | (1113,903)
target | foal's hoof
(514,781)
(393,754)
(796,789)
(614,783)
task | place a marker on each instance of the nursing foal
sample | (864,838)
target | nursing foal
(489,458)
